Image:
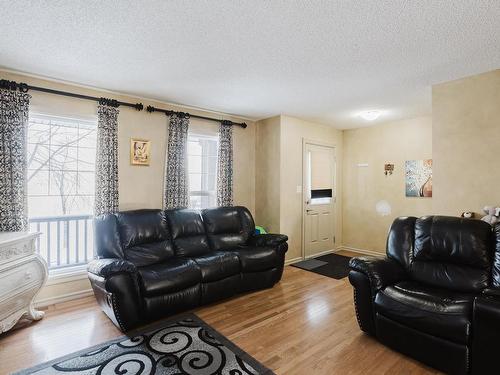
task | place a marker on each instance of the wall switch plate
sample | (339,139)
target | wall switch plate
(299,189)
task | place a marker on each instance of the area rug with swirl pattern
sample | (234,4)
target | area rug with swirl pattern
(184,345)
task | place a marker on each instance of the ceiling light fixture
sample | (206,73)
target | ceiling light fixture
(370,115)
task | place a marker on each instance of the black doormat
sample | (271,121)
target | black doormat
(182,345)
(336,267)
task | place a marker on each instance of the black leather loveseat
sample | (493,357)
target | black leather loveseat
(436,296)
(153,263)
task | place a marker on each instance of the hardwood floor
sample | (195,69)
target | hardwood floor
(304,325)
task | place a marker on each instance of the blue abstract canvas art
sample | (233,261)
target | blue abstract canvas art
(418,178)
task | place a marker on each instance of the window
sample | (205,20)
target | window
(61,170)
(202,170)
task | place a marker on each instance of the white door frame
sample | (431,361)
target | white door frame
(306,141)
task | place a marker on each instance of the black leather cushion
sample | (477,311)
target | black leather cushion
(444,355)
(438,312)
(253,259)
(228,227)
(452,253)
(452,239)
(110,266)
(169,277)
(144,236)
(401,239)
(142,226)
(217,290)
(107,237)
(268,239)
(450,276)
(218,265)
(149,253)
(380,271)
(188,232)
(160,306)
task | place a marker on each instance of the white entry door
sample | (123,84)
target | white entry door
(319,193)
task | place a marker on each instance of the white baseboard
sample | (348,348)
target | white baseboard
(360,251)
(63,298)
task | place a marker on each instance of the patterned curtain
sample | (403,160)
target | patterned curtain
(176,179)
(106,164)
(14,106)
(225,166)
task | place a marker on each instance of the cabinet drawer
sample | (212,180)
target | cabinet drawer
(17,303)
(20,277)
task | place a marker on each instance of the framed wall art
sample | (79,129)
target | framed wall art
(140,151)
(418,178)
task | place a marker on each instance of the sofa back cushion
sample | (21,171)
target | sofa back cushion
(107,237)
(400,240)
(144,236)
(188,232)
(453,253)
(228,227)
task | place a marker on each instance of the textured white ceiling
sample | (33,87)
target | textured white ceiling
(319,60)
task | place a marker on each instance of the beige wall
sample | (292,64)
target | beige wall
(267,174)
(466,139)
(293,132)
(139,186)
(392,143)
(279,174)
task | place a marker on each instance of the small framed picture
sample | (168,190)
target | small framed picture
(140,151)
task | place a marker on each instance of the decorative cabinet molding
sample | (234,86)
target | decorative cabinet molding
(22,275)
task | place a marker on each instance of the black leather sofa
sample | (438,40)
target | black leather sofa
(152,263)
(436,295)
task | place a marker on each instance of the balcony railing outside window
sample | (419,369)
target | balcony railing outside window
(65,241)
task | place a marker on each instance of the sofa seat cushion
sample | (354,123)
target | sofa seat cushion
(439,312)
(254,259)
(218,265)
(169,277)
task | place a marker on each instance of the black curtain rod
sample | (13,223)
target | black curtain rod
(24,87)
(152,109)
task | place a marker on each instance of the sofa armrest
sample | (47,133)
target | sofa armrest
(486,325)
(270,240)
(110,266)
(379,271)
(116,288)
(492,292)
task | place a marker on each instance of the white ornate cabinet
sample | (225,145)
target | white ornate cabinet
(22,275)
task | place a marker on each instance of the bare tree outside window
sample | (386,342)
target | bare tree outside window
(61,169)
(61,165)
